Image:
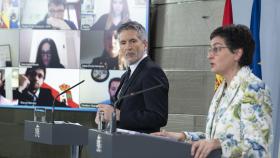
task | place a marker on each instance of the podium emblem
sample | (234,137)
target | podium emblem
(99,143)
(37,131)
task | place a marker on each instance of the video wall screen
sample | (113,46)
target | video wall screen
(47,46)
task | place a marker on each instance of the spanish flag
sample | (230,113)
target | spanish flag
(4,20)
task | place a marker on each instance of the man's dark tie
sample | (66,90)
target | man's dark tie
(125,83)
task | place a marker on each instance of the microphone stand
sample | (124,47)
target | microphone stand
(53,104)
(113,121)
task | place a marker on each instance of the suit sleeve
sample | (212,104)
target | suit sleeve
(154,112)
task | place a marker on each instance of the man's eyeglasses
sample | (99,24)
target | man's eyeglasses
(215,50)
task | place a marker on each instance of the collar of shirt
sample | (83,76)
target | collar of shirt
(134,66)
(37,93)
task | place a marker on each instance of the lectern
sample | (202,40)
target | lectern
(129,144)
(57,134)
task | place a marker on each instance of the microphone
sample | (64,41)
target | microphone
(52,120)
(113,123)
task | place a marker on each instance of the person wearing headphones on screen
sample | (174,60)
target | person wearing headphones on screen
(55,17)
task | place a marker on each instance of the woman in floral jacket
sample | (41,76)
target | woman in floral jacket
(240,116)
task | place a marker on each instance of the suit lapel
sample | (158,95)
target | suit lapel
(134,75)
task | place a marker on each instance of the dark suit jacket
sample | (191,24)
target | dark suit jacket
(45,98)
(146,112)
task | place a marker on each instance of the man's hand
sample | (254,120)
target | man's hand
(23,83)
(202,148)
(58,23)
(108,110)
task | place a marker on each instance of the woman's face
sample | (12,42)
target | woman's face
(221,59)
(112,46)
(46,54)
(117,7)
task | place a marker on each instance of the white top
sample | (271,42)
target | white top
(134,66)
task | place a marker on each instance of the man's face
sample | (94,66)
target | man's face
(132,46)
(56,11)
(36,79)
(113,88)
(46,54)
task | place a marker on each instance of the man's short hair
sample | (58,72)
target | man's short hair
(57,2)
(133,25)
(30,71)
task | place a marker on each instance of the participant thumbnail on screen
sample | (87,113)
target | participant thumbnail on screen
(100,50)
(8,82)
(9,14)
(9,48)
(40,86)
(103,15)
(93,92)
(50,14)
(50,48)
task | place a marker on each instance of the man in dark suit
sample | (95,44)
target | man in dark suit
(146,112)
(30,91)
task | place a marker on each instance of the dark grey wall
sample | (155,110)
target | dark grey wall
(180,32)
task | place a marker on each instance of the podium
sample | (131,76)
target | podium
(137,145)
(56,134)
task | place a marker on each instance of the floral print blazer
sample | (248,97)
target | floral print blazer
(240,116)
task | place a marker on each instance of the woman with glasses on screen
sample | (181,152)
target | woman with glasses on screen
(47,55)
(118,14)
(240,116)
